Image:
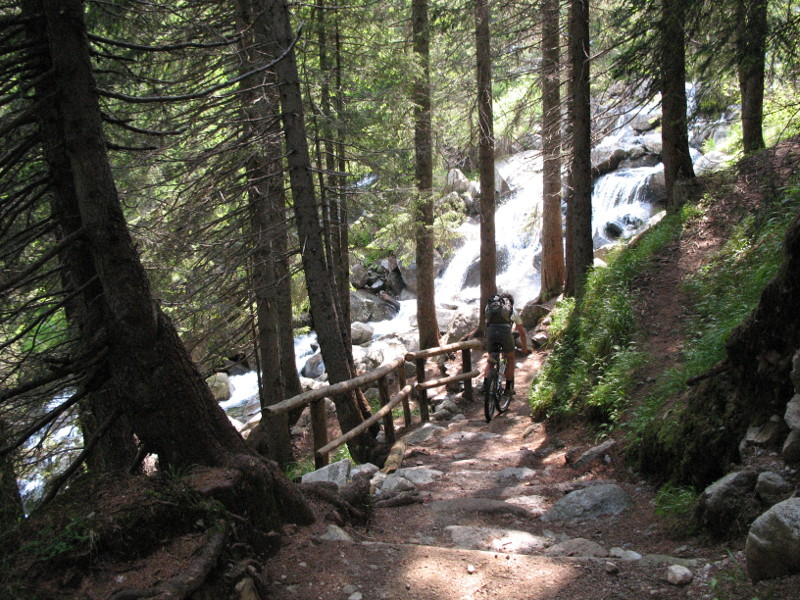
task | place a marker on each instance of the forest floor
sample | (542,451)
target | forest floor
(411,552)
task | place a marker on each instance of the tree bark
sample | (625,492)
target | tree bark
(85,312)
(423,147)
(164,395)
(751,46)
(11,512)
(488,264)
(579,203)
(552,232)
(335,353)
(674,132)
(265,203)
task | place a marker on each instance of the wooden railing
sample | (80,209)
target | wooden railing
(323,447)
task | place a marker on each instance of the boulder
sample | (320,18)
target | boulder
(366,307)
(457,181)
(773,542)
(337,473)
(360,333)
(772,488)
(314,367)
(792,414)
(589,503)
(464,322)
(791,447)
(764,435)
(359,276)
(220,386)
(728,502)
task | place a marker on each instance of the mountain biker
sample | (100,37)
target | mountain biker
(500,317)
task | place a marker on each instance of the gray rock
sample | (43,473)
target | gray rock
(514,474)
(361,333)
(394,484)
(791,447)
(589,503)
(220,385)
(456,181)
(772,488)
(625,554)
(457,507)
(578,547)
(466,437)
(764,435)
(338,473)
(367,468)
(359,276)
(773,542)
(792,414)
(464,321)
(498,540)
(727,501)
(423,433)
(336,534)
(679,575)
(419,475)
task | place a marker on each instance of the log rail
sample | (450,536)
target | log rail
(323,447)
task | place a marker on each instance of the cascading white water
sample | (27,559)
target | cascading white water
(624,199)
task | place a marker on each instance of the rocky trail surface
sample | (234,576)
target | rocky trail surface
(508,509)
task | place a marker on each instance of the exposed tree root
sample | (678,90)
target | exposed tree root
(188,580)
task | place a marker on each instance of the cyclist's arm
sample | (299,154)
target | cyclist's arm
(523,336)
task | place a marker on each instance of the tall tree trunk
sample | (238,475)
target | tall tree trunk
(751,45)
(169,405)
(423,147)
(674,127)
(552,233)
(579,204)
(335,353)
(488,265)
(265,206)
(85,313)
(11,512)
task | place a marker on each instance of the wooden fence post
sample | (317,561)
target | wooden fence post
(319,429)
(401,379)
(388,420)
(422,393)
(466,367)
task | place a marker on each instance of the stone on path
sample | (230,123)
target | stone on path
(498,540)
(337,473)
(679,575)
(458,506)
(589,503)
(422,434)
(578,547)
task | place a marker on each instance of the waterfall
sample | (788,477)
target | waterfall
(622,202)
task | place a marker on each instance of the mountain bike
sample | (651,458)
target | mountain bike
(493,397)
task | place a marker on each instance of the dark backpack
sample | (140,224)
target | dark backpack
(498,311)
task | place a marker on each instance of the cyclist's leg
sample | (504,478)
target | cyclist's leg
(508,350)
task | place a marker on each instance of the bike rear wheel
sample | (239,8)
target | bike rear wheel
(489,396)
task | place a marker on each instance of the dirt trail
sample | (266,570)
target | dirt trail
(501,476)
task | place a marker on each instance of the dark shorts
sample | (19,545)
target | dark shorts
(499,335)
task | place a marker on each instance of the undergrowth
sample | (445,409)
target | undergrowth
(722,293)
(595,360)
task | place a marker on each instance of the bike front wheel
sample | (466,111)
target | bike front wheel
(503,401)
(489,396)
